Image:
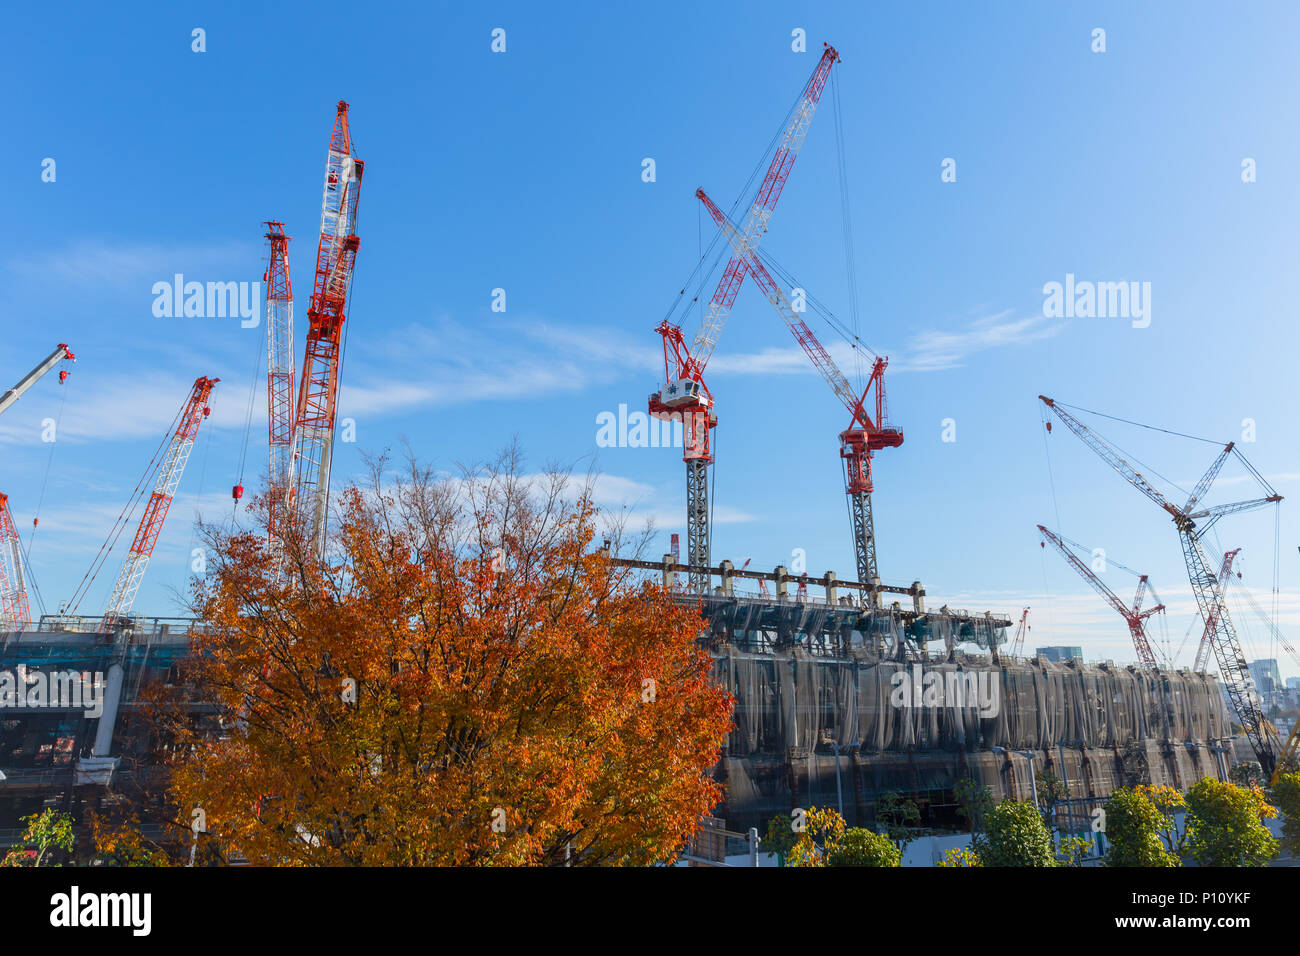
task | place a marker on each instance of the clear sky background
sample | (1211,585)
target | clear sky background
(523,171)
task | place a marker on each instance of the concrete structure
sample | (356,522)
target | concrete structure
(60,752)
(842,696)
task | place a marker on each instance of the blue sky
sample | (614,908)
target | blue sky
(522,171)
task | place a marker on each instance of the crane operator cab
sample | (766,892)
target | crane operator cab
(684,391)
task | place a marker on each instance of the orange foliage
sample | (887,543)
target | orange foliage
(464,680)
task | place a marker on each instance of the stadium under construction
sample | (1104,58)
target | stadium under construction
(844,690)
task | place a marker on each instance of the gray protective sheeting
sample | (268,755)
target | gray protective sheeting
(1095,727)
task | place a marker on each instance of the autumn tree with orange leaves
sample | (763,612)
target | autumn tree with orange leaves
(465,680)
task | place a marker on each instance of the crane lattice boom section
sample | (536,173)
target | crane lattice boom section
(1233,671)
(155,512)
(1225,577)
(14,610)
(755,224)
(60,353)
(863,436)
(280,369)
(318,390)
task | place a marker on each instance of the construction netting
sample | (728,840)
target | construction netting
(914,726)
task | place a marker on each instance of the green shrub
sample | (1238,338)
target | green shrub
(859,847)
(1287,796)
(1225,825)
(1133,827)
(1015,835)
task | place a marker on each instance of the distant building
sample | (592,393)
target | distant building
(1268,679)
(1293,683)
(1060,653)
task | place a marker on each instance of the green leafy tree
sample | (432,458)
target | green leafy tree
(1225,825)
(780,838)
(1015,836)
(1072,849)
(1169,801)
(48,834)
(959,857)
(822,829)
(1134,824)
(861,847)
(976,802)
(898,818)
(1287,796)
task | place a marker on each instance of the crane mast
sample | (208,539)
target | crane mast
(155,512)
(60,353)
(864,435)
(280,369)
(14,611)
(313,432)
(1203,649)
(1233,670)
(1133,616)
(685,393)
(1018,642)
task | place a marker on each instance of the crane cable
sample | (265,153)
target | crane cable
(40,501)
(850,256)
(1276,637)
(703,275)
(1056,509)
(203,474)
(1154,428)
(851,337)
(248,420)
(123,518)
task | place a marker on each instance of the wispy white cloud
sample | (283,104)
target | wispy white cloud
(120,407)
(659,505)
(932,350)
(100,263)
(450,363)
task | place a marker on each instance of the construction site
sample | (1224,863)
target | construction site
(845,688)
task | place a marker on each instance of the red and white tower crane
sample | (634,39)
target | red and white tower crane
(155,513)
(279,368)
(318,389)
(685,393)
(1192,525)
(1022,630)
(866,433)
(1133,616)
(14,612)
